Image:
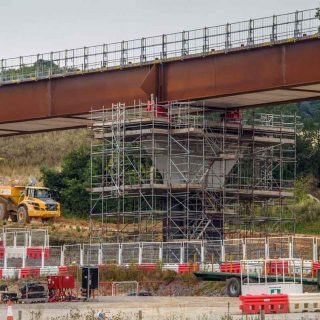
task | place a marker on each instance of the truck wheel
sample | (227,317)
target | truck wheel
(3,212)
(233,287)
(22,215)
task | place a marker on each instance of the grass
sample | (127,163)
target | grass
(22,156)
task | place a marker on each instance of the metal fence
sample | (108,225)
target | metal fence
(23,237)
(164,253)
(208,40)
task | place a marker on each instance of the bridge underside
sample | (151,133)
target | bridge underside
(242,78)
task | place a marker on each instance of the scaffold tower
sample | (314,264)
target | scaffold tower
(183,171)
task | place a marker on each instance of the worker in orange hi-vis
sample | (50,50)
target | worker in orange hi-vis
(9,311)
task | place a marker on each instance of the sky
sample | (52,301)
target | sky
(37,26)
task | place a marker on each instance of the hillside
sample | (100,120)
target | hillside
(22,156)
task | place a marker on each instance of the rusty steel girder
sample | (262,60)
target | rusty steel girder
(283,66)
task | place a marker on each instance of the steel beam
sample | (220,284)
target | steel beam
(199,77)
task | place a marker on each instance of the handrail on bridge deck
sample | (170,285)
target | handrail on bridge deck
(209,40)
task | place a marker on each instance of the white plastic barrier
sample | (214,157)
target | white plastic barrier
(10,273)
(173,267)
(307,302)
(49,271)
(209,267)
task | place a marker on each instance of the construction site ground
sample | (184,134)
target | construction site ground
(164,308)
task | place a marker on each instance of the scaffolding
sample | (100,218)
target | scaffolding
(183,171)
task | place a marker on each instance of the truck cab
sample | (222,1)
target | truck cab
(23,203)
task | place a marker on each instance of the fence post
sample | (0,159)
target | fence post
(160,252)
(164,47)
(182,252)
(42,257)
(296,25)
(202,253)
(140,253)
(14,239)
(62,256)
(143,56)
(105,56)
(185,43)
(5,262)
(274,29)
(85,58)
(1,70)
(24,258)
(266,250)
(228,37)
(81,256)
(223,253)
(120,255)
(250,40)
(100,253)
(205,40)
(315,256)
(290,250)
(244,251)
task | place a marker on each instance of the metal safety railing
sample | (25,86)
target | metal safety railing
(208,40)
(169,253)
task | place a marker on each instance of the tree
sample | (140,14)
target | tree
(318,13)
(72,181)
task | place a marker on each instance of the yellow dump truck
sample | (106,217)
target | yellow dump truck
(22,203)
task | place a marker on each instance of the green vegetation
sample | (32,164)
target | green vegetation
(72,181)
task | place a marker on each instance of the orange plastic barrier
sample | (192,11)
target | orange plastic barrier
(269,303)
(233,267)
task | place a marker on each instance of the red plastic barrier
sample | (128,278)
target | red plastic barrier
(63,269)
(29,272)
(233,267)
(278,267)
(36,253)
(61,282)
(269,303)
(2,251)
(1,273)
(147,266)
(184,268)
(315,267)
